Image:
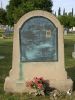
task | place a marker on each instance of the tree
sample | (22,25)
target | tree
(55,13)
(59,11)
(13,4)
(17,8)
(3,16)
(67,21)
(72,11)
(64,11)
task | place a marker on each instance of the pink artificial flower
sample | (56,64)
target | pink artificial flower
(41,78)
(29,84)
(40,86)
(36,80)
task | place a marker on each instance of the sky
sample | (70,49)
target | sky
(67,4)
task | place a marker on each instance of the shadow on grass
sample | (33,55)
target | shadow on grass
(71,74)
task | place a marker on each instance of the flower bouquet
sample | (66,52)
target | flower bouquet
(38,84)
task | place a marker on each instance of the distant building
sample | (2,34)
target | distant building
(72,29)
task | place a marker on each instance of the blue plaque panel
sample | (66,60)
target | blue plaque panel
(38,40)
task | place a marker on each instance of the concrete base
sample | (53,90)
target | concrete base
(19,86)
(14,86)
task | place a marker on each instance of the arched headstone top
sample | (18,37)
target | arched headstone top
(35,13)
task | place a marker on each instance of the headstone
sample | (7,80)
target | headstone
(38,51)
(2,57)
(8,30)
(65,32)
(73,53)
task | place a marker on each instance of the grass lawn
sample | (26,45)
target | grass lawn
(5,66)
(69,61)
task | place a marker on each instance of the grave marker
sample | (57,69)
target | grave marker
(73,53)
(38,51)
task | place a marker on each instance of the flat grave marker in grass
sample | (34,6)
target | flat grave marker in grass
(2,57)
